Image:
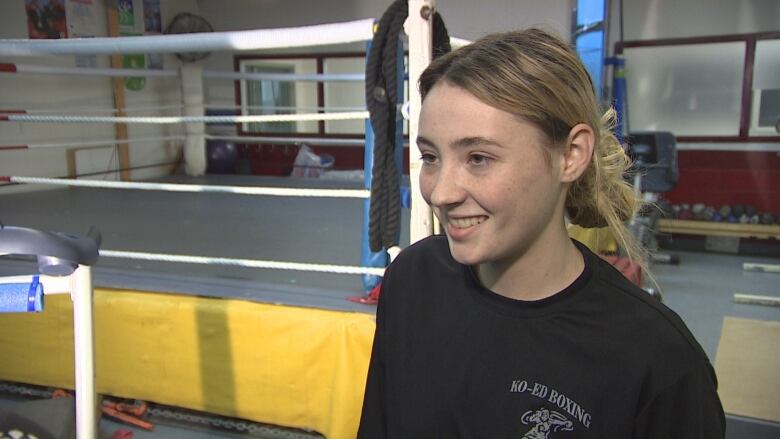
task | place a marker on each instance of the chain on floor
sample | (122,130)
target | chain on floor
(186,417)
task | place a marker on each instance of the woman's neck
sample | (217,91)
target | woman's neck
(547,267)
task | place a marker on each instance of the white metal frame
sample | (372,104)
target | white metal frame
(79,285)
(83,340)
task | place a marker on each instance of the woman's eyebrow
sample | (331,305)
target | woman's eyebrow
(463,142)
(476,141)
(424,141)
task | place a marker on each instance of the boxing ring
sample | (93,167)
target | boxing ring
(253,319)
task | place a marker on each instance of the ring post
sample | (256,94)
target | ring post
(419,28)
(401,75)
(369,258)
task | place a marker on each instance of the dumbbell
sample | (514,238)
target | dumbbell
(766,218)
(698,211)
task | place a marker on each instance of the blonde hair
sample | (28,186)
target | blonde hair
(539,78)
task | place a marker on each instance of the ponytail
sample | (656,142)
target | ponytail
(602,197)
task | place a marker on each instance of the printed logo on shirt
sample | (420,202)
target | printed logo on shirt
(543,420)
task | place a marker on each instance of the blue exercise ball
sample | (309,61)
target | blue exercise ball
(221,157)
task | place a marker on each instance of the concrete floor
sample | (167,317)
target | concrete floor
(700,288)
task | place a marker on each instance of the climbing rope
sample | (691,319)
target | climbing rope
(381,100)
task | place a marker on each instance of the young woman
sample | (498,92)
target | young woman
(505,327)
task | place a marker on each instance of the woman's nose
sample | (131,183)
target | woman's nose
(447,188)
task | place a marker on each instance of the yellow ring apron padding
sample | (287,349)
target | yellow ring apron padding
(599,240)
(290,366)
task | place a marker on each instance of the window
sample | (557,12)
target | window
(765,111)
(690,90)
(285,97)
(270,97)
(346,96)
(260,97)
(588,30)
(705,89)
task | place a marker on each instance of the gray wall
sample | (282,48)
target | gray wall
(464,18)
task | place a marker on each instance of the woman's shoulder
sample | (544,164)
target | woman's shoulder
(666,357)
(430,250)
(658,333)
(426,265)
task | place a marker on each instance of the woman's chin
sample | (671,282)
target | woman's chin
(466,255)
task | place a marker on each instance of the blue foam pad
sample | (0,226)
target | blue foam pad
(22,297)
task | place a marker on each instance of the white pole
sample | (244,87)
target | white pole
(278,38)
(83,338)
(419,29)
(192,100)
(85,71)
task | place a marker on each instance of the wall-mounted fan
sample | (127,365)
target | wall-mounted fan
(186,23)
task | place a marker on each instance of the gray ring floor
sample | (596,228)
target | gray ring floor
(312,230)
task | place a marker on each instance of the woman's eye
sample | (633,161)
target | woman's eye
(478,159)
(428,158)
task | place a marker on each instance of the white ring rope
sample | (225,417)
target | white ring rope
(101,142)
(280,38)
(295,140)
(303,77)
(288,140)
(232,106)
(151,73)
(250,263)
(179,187)
(91,71)
(148,108)
(94,109)
(164,120)
(457,43)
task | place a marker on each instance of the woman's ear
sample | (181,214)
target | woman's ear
(579,150)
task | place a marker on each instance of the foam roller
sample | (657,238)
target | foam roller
(22,296)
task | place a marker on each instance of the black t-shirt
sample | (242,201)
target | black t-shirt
(600,359)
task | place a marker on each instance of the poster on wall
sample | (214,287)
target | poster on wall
(152,20)
(130,15)
(81,18)
(131,23)
(134,61)
(153,26)
(155,61)
(126,15)
(82,23)
(46,19)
